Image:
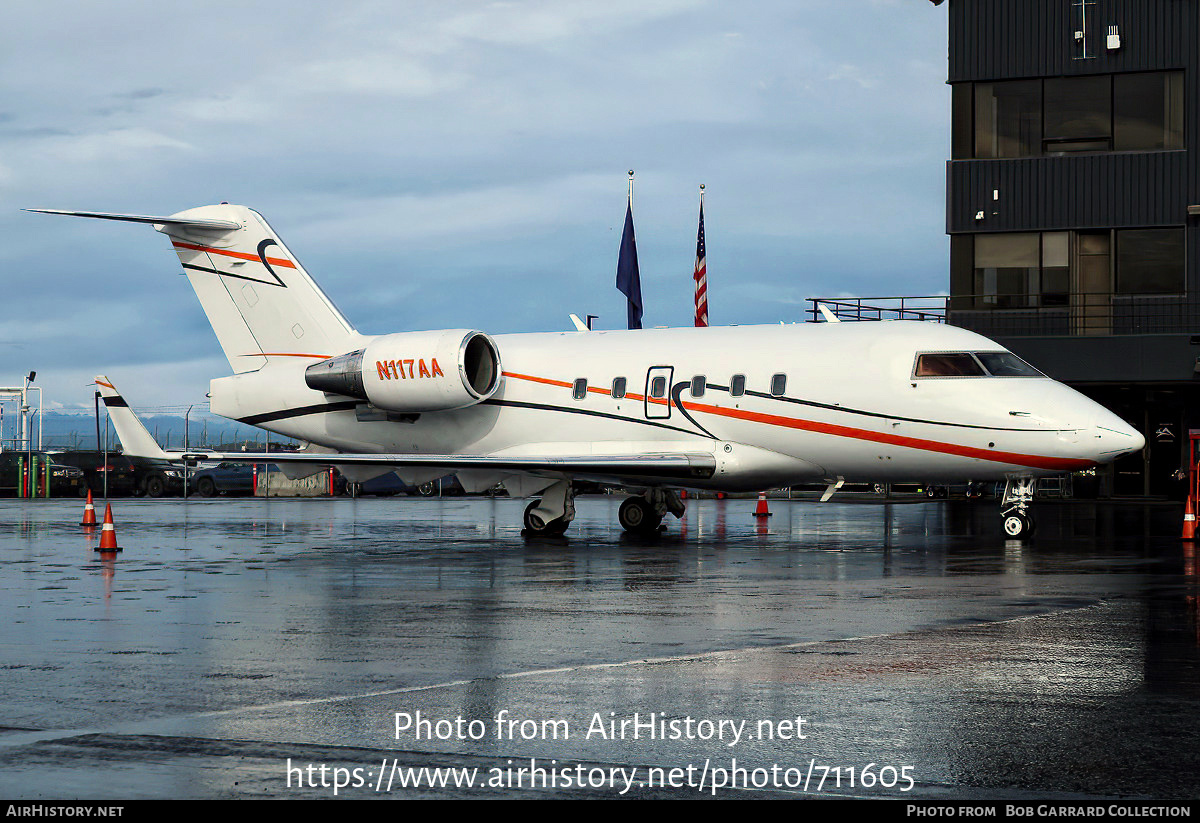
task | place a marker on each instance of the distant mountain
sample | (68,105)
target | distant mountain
(70,430)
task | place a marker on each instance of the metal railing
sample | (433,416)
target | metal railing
(1085,314)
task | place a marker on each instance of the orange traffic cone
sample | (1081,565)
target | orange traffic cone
(108,535)
(761,509)
(89,513)
(1189,519)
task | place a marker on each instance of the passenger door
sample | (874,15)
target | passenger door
(658,392)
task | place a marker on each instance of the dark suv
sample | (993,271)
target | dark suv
(224,478)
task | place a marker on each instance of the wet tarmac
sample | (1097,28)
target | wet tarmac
(275,648)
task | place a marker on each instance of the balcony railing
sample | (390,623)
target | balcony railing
(1025,315)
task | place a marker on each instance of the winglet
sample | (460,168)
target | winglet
(189,223)
(133,435)
(579,324)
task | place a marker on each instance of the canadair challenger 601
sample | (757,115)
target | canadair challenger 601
(652,411)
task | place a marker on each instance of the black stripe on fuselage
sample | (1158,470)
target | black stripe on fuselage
(322,408)
(518,404)
(302,411)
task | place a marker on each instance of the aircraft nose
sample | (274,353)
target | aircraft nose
(1115,437)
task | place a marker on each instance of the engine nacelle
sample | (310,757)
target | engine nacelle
(420,371)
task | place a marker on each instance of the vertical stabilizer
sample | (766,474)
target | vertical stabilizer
(259,299)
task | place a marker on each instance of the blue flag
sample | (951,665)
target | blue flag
(629,281)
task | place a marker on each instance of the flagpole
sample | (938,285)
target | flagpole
(629,280)
(700,273)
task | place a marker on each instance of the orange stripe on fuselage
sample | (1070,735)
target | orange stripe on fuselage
(1032,460)
(240,255)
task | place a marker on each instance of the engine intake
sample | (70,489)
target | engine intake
(414,371)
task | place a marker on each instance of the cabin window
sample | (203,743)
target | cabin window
(948,364)
(658,387)
(698,385)
(618,387)
(778,385)
(580,390)
(737,386)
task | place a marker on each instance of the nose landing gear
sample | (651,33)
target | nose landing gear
(1014,507)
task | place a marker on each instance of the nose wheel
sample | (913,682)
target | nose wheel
(1014,507)
(1017,525)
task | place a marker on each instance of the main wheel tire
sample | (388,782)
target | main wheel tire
(427,489)
(155,486)
(205,487)
(638,516)
(534,527)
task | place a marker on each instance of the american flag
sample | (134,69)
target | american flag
(701,271)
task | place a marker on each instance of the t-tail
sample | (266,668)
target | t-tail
(259,299)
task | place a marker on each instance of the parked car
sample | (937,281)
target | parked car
(223,478)
(120,470)
(65,481)
(390,484)
(157,478)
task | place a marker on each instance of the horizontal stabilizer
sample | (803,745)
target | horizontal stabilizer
(197,224)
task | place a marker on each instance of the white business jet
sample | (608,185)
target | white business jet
(654,411)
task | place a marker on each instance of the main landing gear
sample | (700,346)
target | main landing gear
(643,513)
(550,515)
(1014,507)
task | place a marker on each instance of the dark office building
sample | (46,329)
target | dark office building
(1073,204)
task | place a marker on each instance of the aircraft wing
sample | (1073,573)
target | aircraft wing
(662,466)
(672,466)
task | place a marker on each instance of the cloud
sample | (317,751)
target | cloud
(462,163)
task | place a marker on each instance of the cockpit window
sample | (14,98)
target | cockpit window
(973,364)
(1006,364)
(948,364)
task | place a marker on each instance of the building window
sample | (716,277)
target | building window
(580,390)
(778,385)
(698,385)
(737,385)
(1007,270)
(1060,269)
(1056,268)
(1078,114)
(1150,261)
(1008,118)
(1062,115)
(1148,111)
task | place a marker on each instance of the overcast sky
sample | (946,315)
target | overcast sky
(460,164)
